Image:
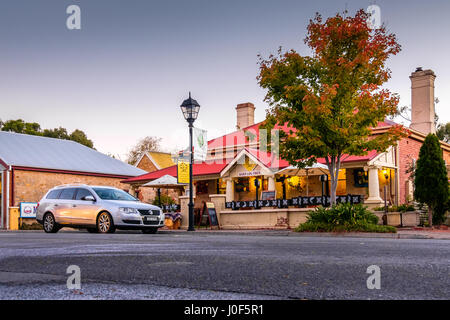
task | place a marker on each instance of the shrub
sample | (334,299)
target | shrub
(400,208)
(343,217)
(440,211)
(430,178)
(165,199)
(404,207)
(32,226)
(358,227)
(343,213)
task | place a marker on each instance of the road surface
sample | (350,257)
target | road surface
(33,265)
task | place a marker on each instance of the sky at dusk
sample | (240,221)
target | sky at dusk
(124,75)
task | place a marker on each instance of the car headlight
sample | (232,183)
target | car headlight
(128,210)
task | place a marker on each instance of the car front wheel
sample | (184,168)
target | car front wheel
(50,225)
(105,223)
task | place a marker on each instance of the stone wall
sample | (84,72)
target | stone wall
(263,218)
(408,150)
(31,186)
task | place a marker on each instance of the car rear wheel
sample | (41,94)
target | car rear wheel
(105,223)
(50,225)
(150,230)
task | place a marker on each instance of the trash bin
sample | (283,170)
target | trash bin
(14,215)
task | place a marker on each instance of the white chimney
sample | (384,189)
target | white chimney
(422,101)
(245,115)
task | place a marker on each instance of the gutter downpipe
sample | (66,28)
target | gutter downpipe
(3,200)
(7,196)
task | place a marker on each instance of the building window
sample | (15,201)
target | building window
(201,187)
(361,178)
(221,186)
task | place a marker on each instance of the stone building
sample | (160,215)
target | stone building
(152,161)
(31,165)
(235,161)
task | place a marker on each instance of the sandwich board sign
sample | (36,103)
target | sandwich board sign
(208,216)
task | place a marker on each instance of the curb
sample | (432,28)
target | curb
(274,233)
(288,233)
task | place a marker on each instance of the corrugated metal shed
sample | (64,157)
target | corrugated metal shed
(22,150)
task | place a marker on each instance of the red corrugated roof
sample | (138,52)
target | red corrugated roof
(386,123)
(266,159)
(199,169)
(346,158)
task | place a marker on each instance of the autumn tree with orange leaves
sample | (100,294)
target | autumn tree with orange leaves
(333,98)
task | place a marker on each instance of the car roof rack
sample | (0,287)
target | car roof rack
(71,185)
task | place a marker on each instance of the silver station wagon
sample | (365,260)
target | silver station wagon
(97,209)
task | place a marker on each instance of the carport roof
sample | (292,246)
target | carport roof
(22,150)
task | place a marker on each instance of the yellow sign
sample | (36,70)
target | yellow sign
(249,165)
(183,172)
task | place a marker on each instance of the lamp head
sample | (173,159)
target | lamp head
(190,108)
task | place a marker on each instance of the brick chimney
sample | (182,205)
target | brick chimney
(245,115)
(422,101)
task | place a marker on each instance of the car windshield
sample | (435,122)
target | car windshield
(113,194)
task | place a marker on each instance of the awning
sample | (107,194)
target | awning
(166,181)
(314,170)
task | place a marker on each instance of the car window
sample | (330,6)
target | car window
(81,193)
(114,194)
(67,194)
(54,194)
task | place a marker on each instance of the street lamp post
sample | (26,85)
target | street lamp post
(190,109)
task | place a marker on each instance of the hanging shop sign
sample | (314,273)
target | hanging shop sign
(200,144)
(297,202)
(182,171)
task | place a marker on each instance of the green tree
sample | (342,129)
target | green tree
(80,137)
(332,99)
(443,132)
(20,126)
(431,181)
(33,128)
(58,133)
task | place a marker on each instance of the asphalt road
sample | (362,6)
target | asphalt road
(205,266)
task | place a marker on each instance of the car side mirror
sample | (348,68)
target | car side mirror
(88,198)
